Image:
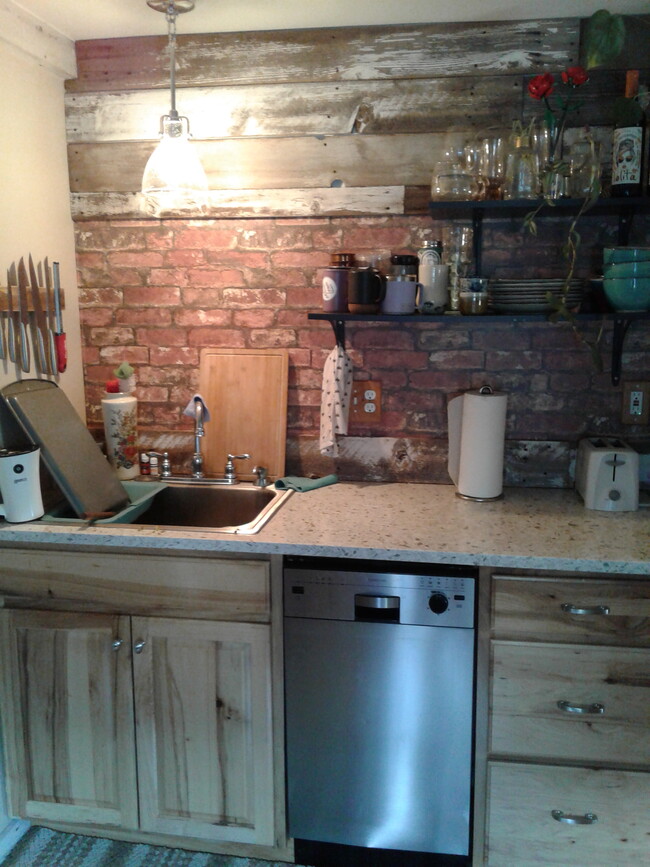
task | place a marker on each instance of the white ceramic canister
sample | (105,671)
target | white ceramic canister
(121,430)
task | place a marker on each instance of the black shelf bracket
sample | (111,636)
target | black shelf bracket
(338,326)
(621,325)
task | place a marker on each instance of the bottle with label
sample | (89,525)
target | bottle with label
(627,141)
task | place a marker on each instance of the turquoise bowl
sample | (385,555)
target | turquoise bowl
(626,254)
(627,269)
(627,293)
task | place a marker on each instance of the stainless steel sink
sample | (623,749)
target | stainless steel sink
(242,508)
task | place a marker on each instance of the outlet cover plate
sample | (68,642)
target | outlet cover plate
(365,405)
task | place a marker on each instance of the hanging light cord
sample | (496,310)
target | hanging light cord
(171,15)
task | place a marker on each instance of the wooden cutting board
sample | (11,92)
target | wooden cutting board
(245,391)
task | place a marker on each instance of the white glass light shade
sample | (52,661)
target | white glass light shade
(174,179)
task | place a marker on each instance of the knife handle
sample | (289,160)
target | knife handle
(42,357)
(24,348)
(61,352)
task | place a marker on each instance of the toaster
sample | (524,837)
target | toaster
(607,474)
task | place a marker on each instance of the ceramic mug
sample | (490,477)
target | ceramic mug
(400,296)
(366,290)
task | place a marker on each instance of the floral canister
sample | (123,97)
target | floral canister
(120,428)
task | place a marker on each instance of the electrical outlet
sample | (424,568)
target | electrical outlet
(636,403)
(365,406)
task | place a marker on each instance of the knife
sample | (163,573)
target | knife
(11,325)
(49,309)
(23,316)
(59,337)
(40,325)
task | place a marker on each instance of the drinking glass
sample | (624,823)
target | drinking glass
(492,165)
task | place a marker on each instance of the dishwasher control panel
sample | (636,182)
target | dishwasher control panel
(391,597)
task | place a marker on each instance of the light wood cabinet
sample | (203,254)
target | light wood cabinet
(69,738)
(203,719)
(568,745)
(148,725)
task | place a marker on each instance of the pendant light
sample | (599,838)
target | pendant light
(174,180)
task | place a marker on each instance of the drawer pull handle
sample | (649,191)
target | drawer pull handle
(117,643)
(138,647)
(568,608)
(567,707)
(568,819)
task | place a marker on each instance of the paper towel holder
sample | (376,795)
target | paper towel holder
(454,456)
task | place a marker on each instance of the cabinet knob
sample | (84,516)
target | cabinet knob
(567,707)
(568,608)
(117,643)
(138,647)
(568,819)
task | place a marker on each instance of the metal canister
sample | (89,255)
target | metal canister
(429,254)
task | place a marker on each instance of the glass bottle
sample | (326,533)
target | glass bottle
(627,144)
(521,179)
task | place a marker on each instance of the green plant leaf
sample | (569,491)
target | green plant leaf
(604,38)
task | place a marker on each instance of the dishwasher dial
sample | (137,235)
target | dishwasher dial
(438,603)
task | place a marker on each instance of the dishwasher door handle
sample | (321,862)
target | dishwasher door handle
(384,609)
(362,600)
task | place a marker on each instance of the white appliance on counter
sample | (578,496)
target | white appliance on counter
(607,474)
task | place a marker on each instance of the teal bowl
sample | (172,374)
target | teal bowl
(627,293)
(627,269)
(625,254)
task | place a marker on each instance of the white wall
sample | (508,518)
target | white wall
(35,213)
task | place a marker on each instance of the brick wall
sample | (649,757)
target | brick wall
(155,293)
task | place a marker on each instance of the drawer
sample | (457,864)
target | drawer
(522,832)
(571,609)
(528,681)
(215,588)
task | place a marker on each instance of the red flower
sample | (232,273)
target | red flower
(541,86)
(575,76)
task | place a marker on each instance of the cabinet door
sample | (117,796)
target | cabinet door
(203,723)
(67,717)
(545,816)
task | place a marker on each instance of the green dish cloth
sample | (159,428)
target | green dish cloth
(298,483)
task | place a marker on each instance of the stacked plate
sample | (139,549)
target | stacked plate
(531,296)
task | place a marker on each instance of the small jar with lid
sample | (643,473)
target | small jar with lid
(404,267)
(342,259)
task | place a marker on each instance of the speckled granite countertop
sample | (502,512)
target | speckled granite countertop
(530,528)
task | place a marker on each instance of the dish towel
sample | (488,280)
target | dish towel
(298,483)
(335,400)
(190,409)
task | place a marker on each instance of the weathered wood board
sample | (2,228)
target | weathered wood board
(329,54)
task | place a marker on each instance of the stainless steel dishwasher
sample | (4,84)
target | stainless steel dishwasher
(379,686)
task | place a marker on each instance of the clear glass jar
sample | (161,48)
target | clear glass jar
(453,183)
(521,179)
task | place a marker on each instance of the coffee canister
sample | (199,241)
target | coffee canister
(334,282)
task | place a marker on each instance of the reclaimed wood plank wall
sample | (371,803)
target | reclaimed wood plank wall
(329,121)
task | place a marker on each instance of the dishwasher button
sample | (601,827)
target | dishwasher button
(438,603)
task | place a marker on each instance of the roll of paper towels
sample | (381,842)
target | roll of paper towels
(477,432)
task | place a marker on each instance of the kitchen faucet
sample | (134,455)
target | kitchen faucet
(199,431)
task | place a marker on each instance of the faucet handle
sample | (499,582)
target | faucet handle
(229,472)
(165,466)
